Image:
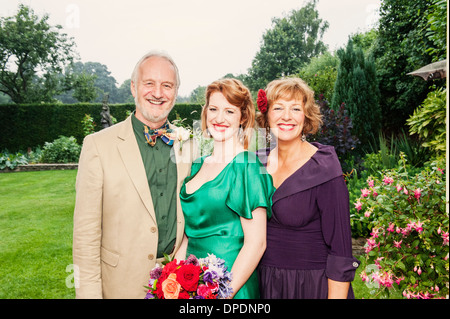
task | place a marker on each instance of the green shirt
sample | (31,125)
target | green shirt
(162,180)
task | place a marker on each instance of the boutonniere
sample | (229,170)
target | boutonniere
(182,135)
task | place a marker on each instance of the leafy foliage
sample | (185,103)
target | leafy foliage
(400,48)
(11,161)
(336,130)
(437,29)
(83,86)
(409,237)
(428,121)
(356,86)
(31,54)
(320,74)
(292,42)
(88,124)
(62,150)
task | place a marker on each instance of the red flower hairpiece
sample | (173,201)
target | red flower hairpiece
(261,101)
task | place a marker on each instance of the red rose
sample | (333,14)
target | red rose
(170,268)
(261,101)
(188,276)
(183,295)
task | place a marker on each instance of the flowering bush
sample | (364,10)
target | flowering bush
(409,245)
(204,278)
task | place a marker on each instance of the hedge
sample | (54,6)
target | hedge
(31,125)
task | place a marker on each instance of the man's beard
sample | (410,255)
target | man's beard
(152,118)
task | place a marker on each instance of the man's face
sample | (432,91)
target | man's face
(155,91)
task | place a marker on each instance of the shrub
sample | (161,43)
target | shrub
(428,121)
(88,124)
(408,246)
(11,161)
(336,130)
(62,150)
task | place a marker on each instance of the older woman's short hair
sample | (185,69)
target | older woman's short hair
(238,95)
(293,89)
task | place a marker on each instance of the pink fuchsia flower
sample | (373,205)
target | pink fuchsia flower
(441,170)
(386,280)
(375,194)
(358,205)
(367,213)
(391,227)
(371,242)
(374,232)
(365,192)
(377,262)
(405,191)
(445,238)
(370,182)
(419,271)
(399,279)
(398,244)
(417,193)
(399,187)
(406,294)
(418,227)
(405,231)
(387,180)
(364,276)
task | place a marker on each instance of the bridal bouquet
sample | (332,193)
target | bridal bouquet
(204,278)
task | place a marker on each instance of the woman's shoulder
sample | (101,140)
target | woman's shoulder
(247,157)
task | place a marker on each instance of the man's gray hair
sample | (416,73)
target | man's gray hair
(162,54)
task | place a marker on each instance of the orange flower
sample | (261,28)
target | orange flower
(170,287)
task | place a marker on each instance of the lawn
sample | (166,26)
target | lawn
(36,220)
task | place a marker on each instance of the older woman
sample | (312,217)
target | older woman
(227,197)
(309,251)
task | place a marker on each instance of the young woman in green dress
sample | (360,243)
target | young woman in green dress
(226,199)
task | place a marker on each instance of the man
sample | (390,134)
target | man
(127,211)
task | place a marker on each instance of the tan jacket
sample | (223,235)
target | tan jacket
(115,233)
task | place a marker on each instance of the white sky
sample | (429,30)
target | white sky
(206,38)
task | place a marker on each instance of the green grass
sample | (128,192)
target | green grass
(36,223)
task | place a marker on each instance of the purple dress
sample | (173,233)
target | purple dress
(309,234)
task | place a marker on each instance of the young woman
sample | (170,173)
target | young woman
(309,249)
(227,198)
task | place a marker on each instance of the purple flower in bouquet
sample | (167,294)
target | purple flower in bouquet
(191,260)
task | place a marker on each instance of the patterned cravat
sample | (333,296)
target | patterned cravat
(164,132)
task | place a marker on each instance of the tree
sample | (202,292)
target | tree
(124,92)
(32,54)
(320,74)
(104,82)
(198,95)
(356,86)
(292,42)
(437,29)
(83,87)
(401,48)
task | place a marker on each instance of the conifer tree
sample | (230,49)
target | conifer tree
(356,86)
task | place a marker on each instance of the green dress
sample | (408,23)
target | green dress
(212,213)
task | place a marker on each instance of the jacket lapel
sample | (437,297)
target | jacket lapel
(131,157)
